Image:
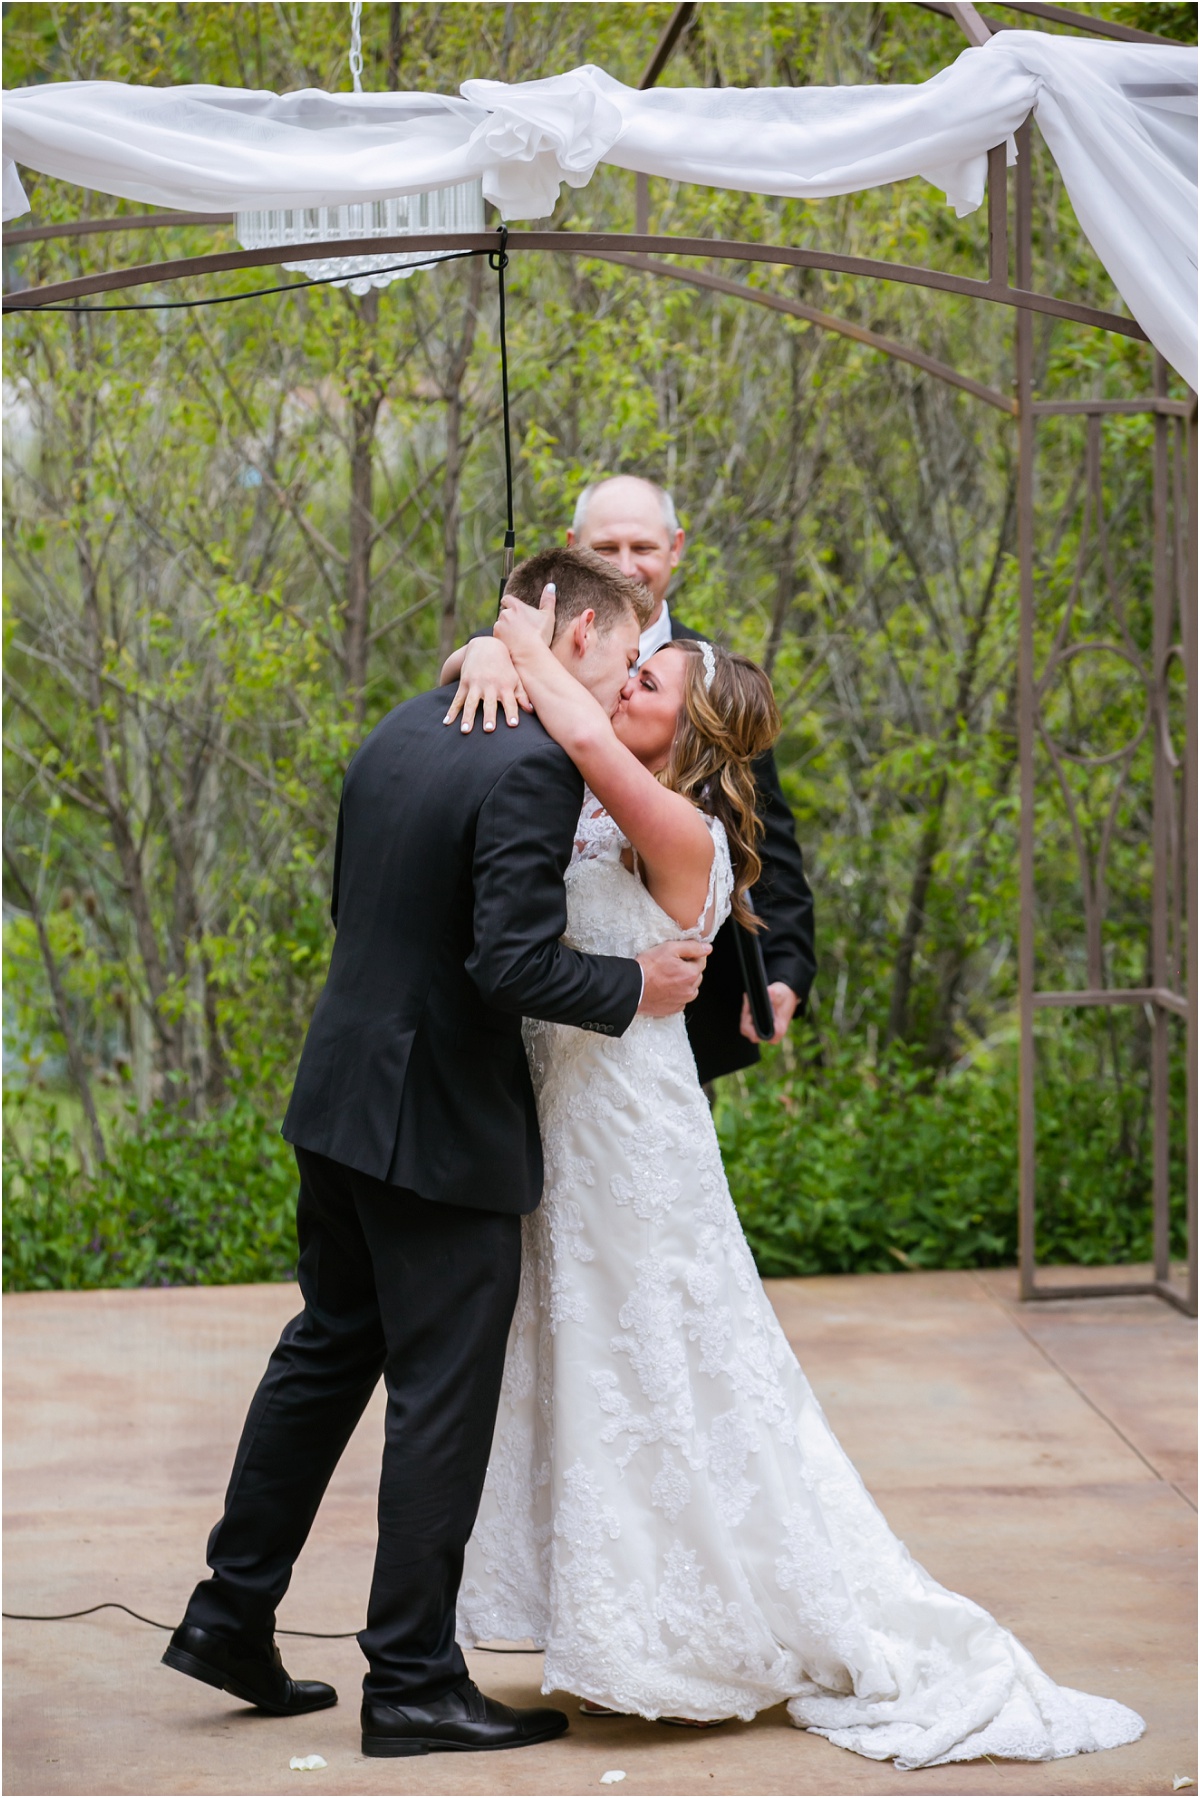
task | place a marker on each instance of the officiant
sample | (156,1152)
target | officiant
(633,523)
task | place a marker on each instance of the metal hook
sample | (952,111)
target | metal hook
(498,260)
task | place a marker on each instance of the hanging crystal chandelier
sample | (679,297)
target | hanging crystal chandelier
(458,208)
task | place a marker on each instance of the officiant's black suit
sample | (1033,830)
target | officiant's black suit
(783,900)
(416,1135)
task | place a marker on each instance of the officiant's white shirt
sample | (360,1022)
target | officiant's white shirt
(655,635)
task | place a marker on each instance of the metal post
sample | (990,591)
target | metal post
(997,188)
(1163,803)
(1189,850)
(969,22)
(674,29)
(1025,716)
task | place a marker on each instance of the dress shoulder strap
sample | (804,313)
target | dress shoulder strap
(720,881)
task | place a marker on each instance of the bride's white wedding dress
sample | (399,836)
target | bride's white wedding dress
(667,1510)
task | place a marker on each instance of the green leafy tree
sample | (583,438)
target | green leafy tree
(237,535)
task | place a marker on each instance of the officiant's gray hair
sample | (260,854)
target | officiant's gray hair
(670,517)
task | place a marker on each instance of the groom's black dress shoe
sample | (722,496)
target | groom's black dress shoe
(461,1722)
(250,1670)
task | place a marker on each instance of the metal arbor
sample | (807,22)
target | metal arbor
(1171,991)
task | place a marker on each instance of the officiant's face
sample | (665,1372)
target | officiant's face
(648,713)
(624,524)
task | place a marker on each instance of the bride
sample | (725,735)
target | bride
(666,1509)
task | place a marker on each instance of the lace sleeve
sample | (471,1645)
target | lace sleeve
(720,884)
(596,836)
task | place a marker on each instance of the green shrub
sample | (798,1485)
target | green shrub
(179,1202)
(840,1161)
(849,1163)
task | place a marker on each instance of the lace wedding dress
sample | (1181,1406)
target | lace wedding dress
(667,1511)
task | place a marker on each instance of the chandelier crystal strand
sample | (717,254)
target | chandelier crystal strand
(356,45)
(458,208)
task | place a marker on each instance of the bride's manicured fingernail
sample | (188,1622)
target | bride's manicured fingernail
(489,727)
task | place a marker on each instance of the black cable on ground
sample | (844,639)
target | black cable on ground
(498,260)
(113,1604)
(257,293)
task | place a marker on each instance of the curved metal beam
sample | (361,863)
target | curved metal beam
(693,278)
(574,243)
(1063,15)
(825,321)
(1060,15)
(140,221)
(146,274)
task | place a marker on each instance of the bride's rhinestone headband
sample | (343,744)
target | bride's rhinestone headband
(710,665)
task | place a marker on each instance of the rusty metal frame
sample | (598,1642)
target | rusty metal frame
(1055,15)
(1173,924)
(1173,911)
(573,243)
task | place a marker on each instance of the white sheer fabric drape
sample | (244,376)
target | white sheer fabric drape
(1120,121)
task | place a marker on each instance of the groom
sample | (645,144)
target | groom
(416,1134)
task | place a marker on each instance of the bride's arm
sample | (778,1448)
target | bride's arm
(669,834)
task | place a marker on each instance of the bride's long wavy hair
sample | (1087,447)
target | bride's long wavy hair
(721,730)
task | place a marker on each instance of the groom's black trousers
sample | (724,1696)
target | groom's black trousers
(424,1294)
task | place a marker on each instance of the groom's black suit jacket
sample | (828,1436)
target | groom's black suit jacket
(783,900)
(448,902)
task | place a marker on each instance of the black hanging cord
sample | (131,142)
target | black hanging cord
(228,299)
(498,260)
(112,1604)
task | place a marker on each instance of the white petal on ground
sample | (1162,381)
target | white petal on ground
(307,1763)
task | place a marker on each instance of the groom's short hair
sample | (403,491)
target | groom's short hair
(585,582)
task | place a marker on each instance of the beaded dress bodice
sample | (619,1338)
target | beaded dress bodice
(610,911)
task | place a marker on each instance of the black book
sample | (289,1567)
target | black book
(754,979)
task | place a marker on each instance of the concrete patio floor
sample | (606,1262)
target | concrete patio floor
(1040,1458)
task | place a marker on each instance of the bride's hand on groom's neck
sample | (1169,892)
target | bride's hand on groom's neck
(540,618)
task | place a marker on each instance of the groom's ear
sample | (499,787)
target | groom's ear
(579,632)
